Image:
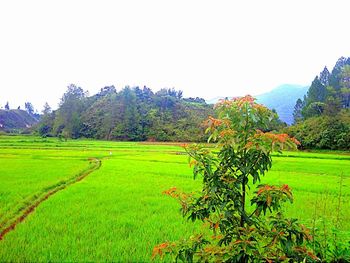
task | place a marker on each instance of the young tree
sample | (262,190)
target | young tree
(129,128)
(297,111)
(7,106)
(345,86)
(317,92)
(46,123)
(29,108)
(324,77)
(333,102)
(47,109)
(68,115)
(242,155)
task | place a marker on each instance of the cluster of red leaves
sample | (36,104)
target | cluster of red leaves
(236,100)
(214,225)
(246,99)
(226,129)
(268,191)
(224,103)
(272,138)
(184,145)
(268,188)
(282,138)
(306,232)
(227,132)
(160,249)
(182,197)
(239,102)
(171,192)
(213,122)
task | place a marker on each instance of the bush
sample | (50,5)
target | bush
(242,154)
(322,132)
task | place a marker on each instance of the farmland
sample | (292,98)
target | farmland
(117,212)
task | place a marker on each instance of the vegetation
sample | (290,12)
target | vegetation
(94,220)
(133,114)
(28,188)
(322,117)
(242,155)
(324,132)
(46,201)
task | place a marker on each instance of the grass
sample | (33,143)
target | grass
(118,213)
(25,178)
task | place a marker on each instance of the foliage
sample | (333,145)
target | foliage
(243,155)
(329,92)
(297,116)
(67,118)
(7,106)
(132,114)
(46,123)
(323,132)
(29,108)
(317,117)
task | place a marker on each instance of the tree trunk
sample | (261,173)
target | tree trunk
(243,204)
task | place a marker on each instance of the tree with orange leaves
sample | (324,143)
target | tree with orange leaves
(241,156)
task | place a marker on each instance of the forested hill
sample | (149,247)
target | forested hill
(328,94)
(322,117)
(16,119)
(136,114)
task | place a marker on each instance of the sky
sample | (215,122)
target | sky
(204,48)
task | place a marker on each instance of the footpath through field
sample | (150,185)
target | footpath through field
(18,215)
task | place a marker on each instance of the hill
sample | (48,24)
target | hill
(15,119)
(323,115)
(329,92)
(132,114)
(283,99)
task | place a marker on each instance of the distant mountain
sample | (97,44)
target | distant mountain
(283,99)
(15,119)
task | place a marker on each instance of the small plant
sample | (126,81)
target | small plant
(239,233)
(329,243)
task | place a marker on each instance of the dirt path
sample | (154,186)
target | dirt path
(30,209)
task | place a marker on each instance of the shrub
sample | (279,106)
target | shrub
(323,132)
(241,155)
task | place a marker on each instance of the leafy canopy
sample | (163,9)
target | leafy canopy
(241,156)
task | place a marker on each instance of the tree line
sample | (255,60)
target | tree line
(132,114)
(322,117)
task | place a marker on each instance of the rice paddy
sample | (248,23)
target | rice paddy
(117,212)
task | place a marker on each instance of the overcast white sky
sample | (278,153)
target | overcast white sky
(205,48)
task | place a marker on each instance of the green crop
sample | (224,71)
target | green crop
(118,212)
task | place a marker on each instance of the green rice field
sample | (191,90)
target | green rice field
(116,211)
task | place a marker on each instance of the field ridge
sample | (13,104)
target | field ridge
(31,208)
